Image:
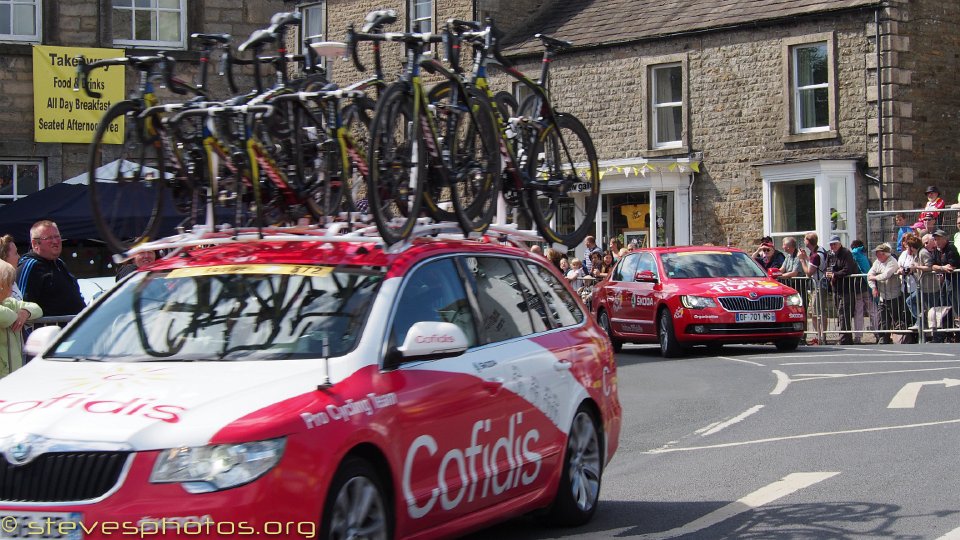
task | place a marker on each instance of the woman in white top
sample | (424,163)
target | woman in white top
(9,253)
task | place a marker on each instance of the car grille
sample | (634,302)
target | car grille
(742,303)
(61,477)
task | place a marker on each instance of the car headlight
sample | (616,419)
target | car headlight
(212,468)
(793,300)
(697,302)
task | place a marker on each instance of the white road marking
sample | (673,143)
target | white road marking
(872,351)
(872,362)
(802,436)
(952,535)
(783,380)
(717,426)
(843,375)
(906,398)
(765,495)
(740,360)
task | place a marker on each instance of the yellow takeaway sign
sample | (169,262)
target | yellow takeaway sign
(62,114)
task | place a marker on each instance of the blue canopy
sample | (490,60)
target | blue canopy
(68,205)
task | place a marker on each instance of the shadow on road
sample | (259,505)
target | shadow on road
(622,519)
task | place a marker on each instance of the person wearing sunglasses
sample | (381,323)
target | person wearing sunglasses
(43,277)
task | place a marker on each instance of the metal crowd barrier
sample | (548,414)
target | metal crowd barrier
(924,311)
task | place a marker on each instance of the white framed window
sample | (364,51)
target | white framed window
(811,84)
(149,23)
(19,179)
(313,24)
(20,20)
(420,15)
(666,106)
(313,28)
(810,196)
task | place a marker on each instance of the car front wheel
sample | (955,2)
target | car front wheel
(669,346)
(356,505)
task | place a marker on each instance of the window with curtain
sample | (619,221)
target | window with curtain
(19,179)
(20,20)
(666,92)
(792,208)
(149,23)
(811,96)
(420,15)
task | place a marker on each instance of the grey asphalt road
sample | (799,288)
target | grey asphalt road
(826,442)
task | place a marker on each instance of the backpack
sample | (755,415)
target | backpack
(821,274)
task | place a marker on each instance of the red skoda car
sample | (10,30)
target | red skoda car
(684,296)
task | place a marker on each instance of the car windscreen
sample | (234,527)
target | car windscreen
(710,264)
(232,312)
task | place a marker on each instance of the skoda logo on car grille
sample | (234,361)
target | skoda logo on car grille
(753,295)
(22,450)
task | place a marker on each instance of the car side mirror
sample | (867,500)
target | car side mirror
(430,339)
(39,340)
(645,276)
(774,272)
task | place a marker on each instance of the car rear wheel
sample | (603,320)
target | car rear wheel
(579,489)
(669,346)
(787,345)
(604,320)
(356,505)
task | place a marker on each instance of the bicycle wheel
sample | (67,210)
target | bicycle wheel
(397,166)
(357,117)
(564,182)
(126,181)
(506,104)
(470,139)
(531,106)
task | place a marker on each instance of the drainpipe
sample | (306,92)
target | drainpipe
(880,175)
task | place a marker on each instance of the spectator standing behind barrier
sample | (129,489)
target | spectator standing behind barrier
(139,260)
(767,255)
(884,280)
(590,247)
(791,266)
(956,236)
(934,202)
(928,294)
(945,260)
(902,228)
(863,303)
(554,257)
(43,277)
(13,315)
(814,267)
(910,250)
(927,226)
(9,253)
(839,274)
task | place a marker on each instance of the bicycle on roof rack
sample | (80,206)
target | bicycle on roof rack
(550,172)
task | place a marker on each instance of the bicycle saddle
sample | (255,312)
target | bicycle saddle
(376,20)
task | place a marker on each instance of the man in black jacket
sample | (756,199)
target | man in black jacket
(839,273)
(43,277)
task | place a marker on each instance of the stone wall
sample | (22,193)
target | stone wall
(736,110)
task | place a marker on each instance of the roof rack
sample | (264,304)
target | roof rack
(334,232)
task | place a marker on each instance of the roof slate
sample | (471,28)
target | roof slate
(598,22)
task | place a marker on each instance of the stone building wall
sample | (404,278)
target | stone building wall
(736,110)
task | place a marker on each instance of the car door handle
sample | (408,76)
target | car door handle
(493,385)
(562,365)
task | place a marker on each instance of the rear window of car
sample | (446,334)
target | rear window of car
(227,313)
(710,264)
(563,309)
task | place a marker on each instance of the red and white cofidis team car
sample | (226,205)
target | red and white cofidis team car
(683,296)
(313,389)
